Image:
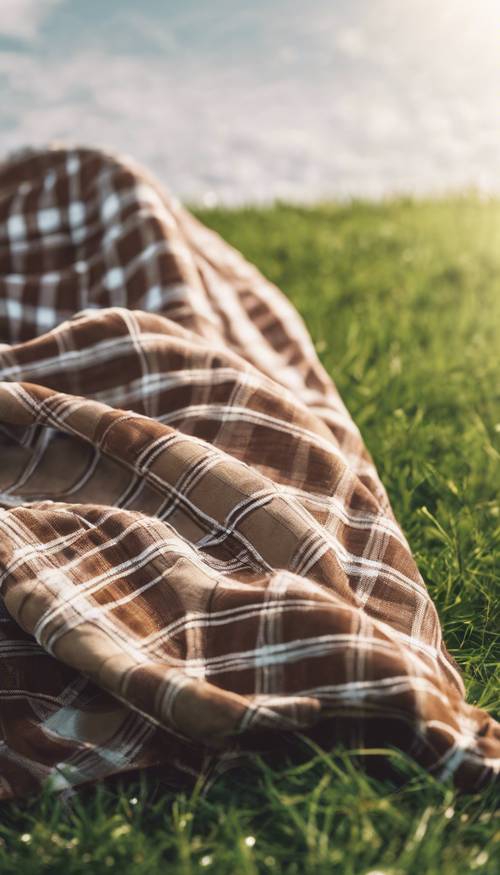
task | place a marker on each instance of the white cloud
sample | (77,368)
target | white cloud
(23,18)
(407,116)
(352,42)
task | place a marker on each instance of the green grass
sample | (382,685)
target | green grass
(403,303)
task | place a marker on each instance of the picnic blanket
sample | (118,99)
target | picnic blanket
(197,556)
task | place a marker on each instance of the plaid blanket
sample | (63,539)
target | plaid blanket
(197,556)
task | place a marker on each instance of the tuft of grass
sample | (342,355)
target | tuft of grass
(402,299)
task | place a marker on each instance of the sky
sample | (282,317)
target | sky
(231,101)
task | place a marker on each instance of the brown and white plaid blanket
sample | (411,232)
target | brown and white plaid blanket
(197,557)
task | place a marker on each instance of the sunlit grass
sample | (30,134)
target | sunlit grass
(403,302)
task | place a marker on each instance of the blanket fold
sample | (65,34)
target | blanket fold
(196,552)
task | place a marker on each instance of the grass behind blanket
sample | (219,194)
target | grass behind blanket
(403,302)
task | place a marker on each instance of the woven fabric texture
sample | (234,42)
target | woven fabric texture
(197,556)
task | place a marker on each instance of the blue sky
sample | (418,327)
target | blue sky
(234,101)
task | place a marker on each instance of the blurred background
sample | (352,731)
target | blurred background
(230,101)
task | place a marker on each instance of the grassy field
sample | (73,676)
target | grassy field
(403,302)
